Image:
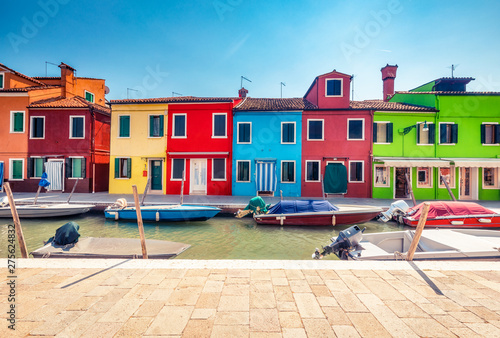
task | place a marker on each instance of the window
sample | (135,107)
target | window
(355,129)
(124,121)
(448,175)
(75,167)
(35,167)
(178,165)
(382,132)
(123,167)
(89,96)
(219,169)
(37,127)
(490,133)
(356,171)
(287,171)
(219,125)
(315,130)
(242,171)
(179,125)
(2,78)
(490,178)
(427,136)
(16,169)
(312,171)
(17,122)
(288,132)
(156,125)
(448,133)
(333,87)
(381,176)
(77,126)
(424,177)
(244,133)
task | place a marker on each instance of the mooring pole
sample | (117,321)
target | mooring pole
(145,191)
(418,232)
(410,189)
(17,222)
(139,223)
(37,193)
(72,190)
(182,188)
(447,187)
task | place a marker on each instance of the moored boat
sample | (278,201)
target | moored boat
(45,210)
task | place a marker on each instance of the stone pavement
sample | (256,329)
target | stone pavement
(238,298)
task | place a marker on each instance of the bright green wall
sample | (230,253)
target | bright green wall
(428,100)
(425,87)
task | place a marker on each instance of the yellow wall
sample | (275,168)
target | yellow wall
(139,146)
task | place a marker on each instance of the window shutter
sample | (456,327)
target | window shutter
(68,167)
(129,167)
(31,164)
(84,167)
(162,119)
(389,133)
(151,126)
(483,134)
(117,167)
(454,133)
(496,133)
(442,133)
(374,132)
(359,168)
(18,122)
(432,133)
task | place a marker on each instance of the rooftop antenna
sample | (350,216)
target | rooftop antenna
(281,88)
(453,67)
(352,87)
(46,62)
(244,78)
(130,89)
(174,93)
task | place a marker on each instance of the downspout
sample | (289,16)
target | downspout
(92,147)
(436,142)
(370,179)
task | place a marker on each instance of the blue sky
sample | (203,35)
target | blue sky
(202,48)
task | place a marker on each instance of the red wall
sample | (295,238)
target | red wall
(316,94)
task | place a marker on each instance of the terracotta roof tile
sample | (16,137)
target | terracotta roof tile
(22,75)
(257,104)
(73,102)
(451,93)
(26,89)
(388,106)
(176,99)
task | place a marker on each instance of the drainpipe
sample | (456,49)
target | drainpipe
(92,147)
(436,142)
(372,115)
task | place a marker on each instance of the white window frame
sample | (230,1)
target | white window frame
(213,125)
(71,117)
(294,132)
(172,169)
(35,177)
(362,171)
(129,126)
(452,182)
(377,122)
(319,171)
(31,128)
(428,123)
(225,169)
(11,169)
(497,181)
(431,183)
(294,172)
(238,133)
(93,96)
(362,129)
(185,125)
(12,112)
(490,144)
(341,86)
(120,168)
(2,84)
(388,180)
(439,137)
(322,130)
(149,125)
(249,171)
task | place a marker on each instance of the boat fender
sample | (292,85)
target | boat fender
(117,217)
(484,220)
(334,221)
(457,222)
(157,216)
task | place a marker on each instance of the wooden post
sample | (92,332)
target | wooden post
(281,195)
(73,190)
(182,188)
(145,191)
(408,182)
(418,232)
(447,187)
(323,186)
(139,223)
(17,222)
(37,193)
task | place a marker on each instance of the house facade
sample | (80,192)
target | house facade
(267,147)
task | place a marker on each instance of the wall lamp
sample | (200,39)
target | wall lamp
(406,130)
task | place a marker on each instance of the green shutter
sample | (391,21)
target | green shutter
(442,133)
(483,134)
(18,122)
(496,133)
(390,133)
(69,168)
(162,122)
(151,126)
(117,167)
(1,81)
(124,126)
(17,170)
(31,166)
(84,168)
(432,133)
(129,167)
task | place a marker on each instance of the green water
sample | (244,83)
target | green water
(217,238)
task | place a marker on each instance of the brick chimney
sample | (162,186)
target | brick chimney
(388,76)
(242,92)
(67,80)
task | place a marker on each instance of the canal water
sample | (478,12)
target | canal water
(217,238)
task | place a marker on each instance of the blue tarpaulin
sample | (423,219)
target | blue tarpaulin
(43,182)
(299,206)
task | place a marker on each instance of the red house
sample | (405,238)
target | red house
(336,140)
(199,144)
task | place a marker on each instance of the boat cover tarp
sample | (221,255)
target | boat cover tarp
(301,206)
(66,234)
(257,202)
(443,209)
(335,178)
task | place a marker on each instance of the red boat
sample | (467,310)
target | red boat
(312,212)
(453,215)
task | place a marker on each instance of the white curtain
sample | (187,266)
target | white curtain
(54,175)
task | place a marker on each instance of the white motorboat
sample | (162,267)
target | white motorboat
(43,210)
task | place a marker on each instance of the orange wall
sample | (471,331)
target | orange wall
(42,94)
(15,81)
(95,86)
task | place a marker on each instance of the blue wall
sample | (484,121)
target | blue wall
(266,144)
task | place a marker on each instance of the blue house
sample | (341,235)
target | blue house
(267,147)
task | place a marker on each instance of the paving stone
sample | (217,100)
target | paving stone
(367,325)
(484,329)
(266,320)
(56,324)
(265,334)
(385,275)
(345,331)
(337,285)
(208,300)
(321,291)
(235,290)
(262,300)
(102,330)
(316,327)
(463,332)
(382,289)
(286,306)
(193,281)
(448,321)
(197,272)
(327,301)
(405,308)
(484,313)
(234,303)
(232,318)
(114,295)
(43,314)
(213,286)
(283,293)
(328,275)
(354,284)
(364,273)
(134,327)
(184,296)
(427,327)
(238,273)
(261,286)
(198,328)
(157,294)
(314,279)
(275,273)
(237,280)
(238,331)
(169,283)
(431,308)
(204,314)
(308,306)
(260,275)
(490,303)
(460,298)
(336,316)
(447,304)
(290,319)
(466,317)
(294,274)
(297,285)
(349,302)
(279,280)
(31,305)
(149,308)
(171,320)
(122,310)
(101,307)
(294,332)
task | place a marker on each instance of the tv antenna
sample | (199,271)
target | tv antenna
(128,91)
(352,87)
(174,93)
(46,62)
(453,67)
(244,78)
(282,84)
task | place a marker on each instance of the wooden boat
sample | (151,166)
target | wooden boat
(123,248)
(46,210)
(316,212)
(453,215)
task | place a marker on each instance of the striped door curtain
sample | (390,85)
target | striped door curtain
(266,175)
(54,175)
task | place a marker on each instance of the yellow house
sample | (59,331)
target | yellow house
(138,146)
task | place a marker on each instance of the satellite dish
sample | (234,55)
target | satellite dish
(106,90)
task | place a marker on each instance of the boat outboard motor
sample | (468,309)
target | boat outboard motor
(395,208)
(347,241)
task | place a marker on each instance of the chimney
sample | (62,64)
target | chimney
(242,92)
(388,76)
(67,80)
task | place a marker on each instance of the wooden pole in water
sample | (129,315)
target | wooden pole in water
(411,189)
(182,188)
(145,191)
(418,232)
(37,193)
(17,222)
(447,187)
(73,190)
(139,223)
